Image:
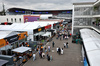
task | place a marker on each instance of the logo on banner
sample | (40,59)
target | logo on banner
(39,29)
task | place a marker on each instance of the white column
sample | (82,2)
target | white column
(73,20)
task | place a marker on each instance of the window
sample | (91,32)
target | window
(19,19)
(7,19)
(15,19)
(11,19)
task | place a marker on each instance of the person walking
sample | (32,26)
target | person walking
(45,49)
(48,58)
(53,44)
(47,55)
(40,54)
(43,55)
(51,58)
(34,57)
(59,50)
(62,51)
(66,44)
(49,48)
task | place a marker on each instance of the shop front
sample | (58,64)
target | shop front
(38,33)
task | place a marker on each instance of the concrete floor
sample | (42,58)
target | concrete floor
(71,57)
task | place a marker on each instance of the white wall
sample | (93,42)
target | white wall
(13,17)
(45,16)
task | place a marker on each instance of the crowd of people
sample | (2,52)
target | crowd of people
(62,34)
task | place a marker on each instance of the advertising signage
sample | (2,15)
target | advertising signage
(38,30)
(22,35)
(48,26)
(16,37)
(2,43)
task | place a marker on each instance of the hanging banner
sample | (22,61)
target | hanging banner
(2,43)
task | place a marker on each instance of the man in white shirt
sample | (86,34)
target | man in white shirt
(57,49)
(49,48)
(34,57)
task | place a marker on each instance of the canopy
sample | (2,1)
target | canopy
(6,47)
(91,40)
(21,49)
(2,62)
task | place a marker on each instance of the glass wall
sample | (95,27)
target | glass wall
(79,11)
(82,21)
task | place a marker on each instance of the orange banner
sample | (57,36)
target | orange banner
(22,35)
(2,43)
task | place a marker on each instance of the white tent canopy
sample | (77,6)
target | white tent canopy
(91,41)
(21,49)
(29,27)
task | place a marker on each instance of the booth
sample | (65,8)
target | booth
(10,40)
(21,55)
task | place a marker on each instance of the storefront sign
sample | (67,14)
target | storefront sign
(48,26)
(22,35)
(39,29)
(2,43)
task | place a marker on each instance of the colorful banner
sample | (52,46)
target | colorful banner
(48,26)
(2,43)
(30,18)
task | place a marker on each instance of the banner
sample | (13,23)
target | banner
(11,39)
(48,26)
(22,35)
(2,43)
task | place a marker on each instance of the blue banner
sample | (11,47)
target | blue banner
(85,62)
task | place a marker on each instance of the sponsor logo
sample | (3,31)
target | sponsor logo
(13,38)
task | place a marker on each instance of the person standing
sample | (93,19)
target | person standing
(45,49)
(34,57)
(48,58)
(43,55)
(62,51)
(59,50)
(53,44)
(67,45)
(64,44)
